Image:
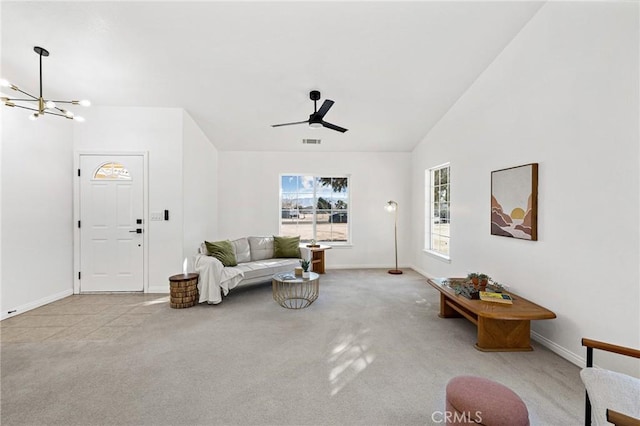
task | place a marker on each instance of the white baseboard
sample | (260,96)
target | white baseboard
(35,304)
(559,350)
(158,289)
(421,272)
(359,266)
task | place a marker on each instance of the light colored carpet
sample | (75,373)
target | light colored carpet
(371,350)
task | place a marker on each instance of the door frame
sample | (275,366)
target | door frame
(76,213)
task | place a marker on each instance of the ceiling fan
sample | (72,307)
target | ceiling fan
(316,119)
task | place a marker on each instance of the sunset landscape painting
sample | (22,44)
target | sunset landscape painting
(514,202)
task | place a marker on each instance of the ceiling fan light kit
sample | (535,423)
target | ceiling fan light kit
(316,120)
(39,104)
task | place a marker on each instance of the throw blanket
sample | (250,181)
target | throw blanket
(214,277)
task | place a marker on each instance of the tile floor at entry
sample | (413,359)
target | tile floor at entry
(90,317)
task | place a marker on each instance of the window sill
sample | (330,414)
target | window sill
(437,255)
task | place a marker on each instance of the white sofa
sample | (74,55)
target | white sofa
(256,264)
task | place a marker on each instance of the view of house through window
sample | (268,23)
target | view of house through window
(315,207)
(438,221)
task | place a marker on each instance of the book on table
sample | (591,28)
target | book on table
(488,296)
(288,277)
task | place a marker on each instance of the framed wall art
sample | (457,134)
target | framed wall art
(514,202)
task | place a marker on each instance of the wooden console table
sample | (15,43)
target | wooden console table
(501,327)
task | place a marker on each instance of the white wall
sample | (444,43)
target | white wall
(1,196)
(159,131)
(564,94)
(249,190)
(200,187)
(37,222)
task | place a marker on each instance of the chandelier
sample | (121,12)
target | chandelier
(39,104)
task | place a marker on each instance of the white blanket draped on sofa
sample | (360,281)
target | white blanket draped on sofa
(215,279)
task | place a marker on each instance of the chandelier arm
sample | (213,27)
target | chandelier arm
(55,113)
(24,93)
(65,112)
(20,100)
(41,112)
(62,102)
(24,107)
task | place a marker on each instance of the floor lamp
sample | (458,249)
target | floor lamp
(392,207)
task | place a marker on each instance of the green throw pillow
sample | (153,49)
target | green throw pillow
(223,251)
(286,246)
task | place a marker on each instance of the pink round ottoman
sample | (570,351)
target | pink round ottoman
(476,400)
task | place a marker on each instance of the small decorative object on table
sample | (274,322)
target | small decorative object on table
(496,287)
(469,289)
(473,277)
(479,280)
(305,267)
(312,244)
(469,292)
(298,271)
(488,296)
(483,281)
(463,287)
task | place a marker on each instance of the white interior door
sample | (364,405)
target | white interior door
(111,223)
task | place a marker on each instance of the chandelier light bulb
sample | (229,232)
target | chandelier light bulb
(34,116)
(67,113)
(4,83)
(50,104)
(78,118)
(84,103)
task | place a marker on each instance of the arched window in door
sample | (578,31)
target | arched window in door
(112,171)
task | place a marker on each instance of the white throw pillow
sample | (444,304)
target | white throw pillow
(608,389)
(261,248)
(241,247)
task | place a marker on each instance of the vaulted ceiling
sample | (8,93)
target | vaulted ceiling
(392,68)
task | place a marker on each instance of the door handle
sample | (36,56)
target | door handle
(137,231)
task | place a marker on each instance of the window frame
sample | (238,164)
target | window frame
(315,177)
(430,211)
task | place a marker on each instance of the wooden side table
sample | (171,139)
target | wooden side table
(184,290)
(317,258)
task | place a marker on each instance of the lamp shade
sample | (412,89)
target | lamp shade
(391,206)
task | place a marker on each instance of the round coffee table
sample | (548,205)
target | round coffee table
(293,292)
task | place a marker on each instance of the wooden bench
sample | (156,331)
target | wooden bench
(501,327)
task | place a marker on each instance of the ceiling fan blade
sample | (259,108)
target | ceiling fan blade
(334,127)
(328,103)
(289,124)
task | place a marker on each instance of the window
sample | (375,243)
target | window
(438,221)
(114,171)
(315,207)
